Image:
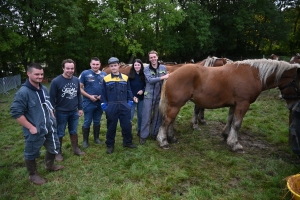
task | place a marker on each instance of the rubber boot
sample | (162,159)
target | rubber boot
(74,142)
(49,162)
(33,174)
(59,157)
(85,133)
(96,134)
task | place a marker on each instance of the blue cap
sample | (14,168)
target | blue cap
(113,60)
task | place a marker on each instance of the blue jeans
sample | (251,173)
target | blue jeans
(92,112)
(63,119)
(139,107)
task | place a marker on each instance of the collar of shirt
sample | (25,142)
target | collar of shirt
(116,76)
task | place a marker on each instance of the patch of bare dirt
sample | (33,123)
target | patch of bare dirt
(253,143)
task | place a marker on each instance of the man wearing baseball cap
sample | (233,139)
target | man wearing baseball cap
(117,101)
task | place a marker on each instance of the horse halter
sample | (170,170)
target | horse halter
(291,84)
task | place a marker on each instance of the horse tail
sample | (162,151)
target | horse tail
(163,103)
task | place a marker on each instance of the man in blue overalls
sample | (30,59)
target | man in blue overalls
(117,101)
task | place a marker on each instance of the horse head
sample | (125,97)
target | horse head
(274,57)
(295,59)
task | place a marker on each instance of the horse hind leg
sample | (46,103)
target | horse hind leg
(195,118)
(164,132)
(227,127)
(201,116)
(171,136)
(232,140)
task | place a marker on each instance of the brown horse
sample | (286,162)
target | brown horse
(234,85)
(198,116)
(295,59)
(274,57)
(124,69)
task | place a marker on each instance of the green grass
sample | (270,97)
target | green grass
(200,166)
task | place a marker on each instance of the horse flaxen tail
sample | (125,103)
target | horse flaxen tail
(163,104)
(167,123)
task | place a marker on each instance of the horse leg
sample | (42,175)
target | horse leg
(171,136)
(168,118)
(239,113)
(201,116)
(226,129)
(195,118)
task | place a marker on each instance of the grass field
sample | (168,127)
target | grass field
(200,166)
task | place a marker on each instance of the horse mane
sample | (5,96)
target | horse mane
(267,67)
(123,65)
(209,61)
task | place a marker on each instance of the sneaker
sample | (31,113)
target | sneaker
(132,146)
(110,150)
(142,141)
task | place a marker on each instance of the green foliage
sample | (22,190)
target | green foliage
(50,31)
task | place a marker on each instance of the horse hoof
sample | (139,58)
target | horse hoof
(196,126)
(165,147)
(203,122)
(172,140)
(238,148)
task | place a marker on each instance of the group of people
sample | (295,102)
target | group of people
(45,115)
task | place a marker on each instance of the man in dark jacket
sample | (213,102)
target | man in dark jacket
(32,109)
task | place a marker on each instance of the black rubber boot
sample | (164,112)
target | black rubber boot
(96,134)
(59,157)
(85,133)
(33,174)
(49,162)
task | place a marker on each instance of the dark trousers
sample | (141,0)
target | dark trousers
(115,112)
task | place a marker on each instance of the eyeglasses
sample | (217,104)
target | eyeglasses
(95,64)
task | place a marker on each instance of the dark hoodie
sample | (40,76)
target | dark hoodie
(39,91)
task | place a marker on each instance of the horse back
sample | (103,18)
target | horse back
(213,87)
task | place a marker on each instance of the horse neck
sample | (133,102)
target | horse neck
(282,81)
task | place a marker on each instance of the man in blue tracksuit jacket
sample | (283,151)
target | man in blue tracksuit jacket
(32,109)
(117,99)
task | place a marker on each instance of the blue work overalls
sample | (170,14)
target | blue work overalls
(116,93)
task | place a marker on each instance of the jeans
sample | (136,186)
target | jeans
(139,107)
(92,112)
(63,119)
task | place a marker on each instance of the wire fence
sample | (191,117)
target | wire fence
(8,83)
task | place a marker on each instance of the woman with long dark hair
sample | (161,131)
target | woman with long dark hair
(137,84)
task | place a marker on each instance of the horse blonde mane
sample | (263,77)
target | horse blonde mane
(267,67)
(210,61)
